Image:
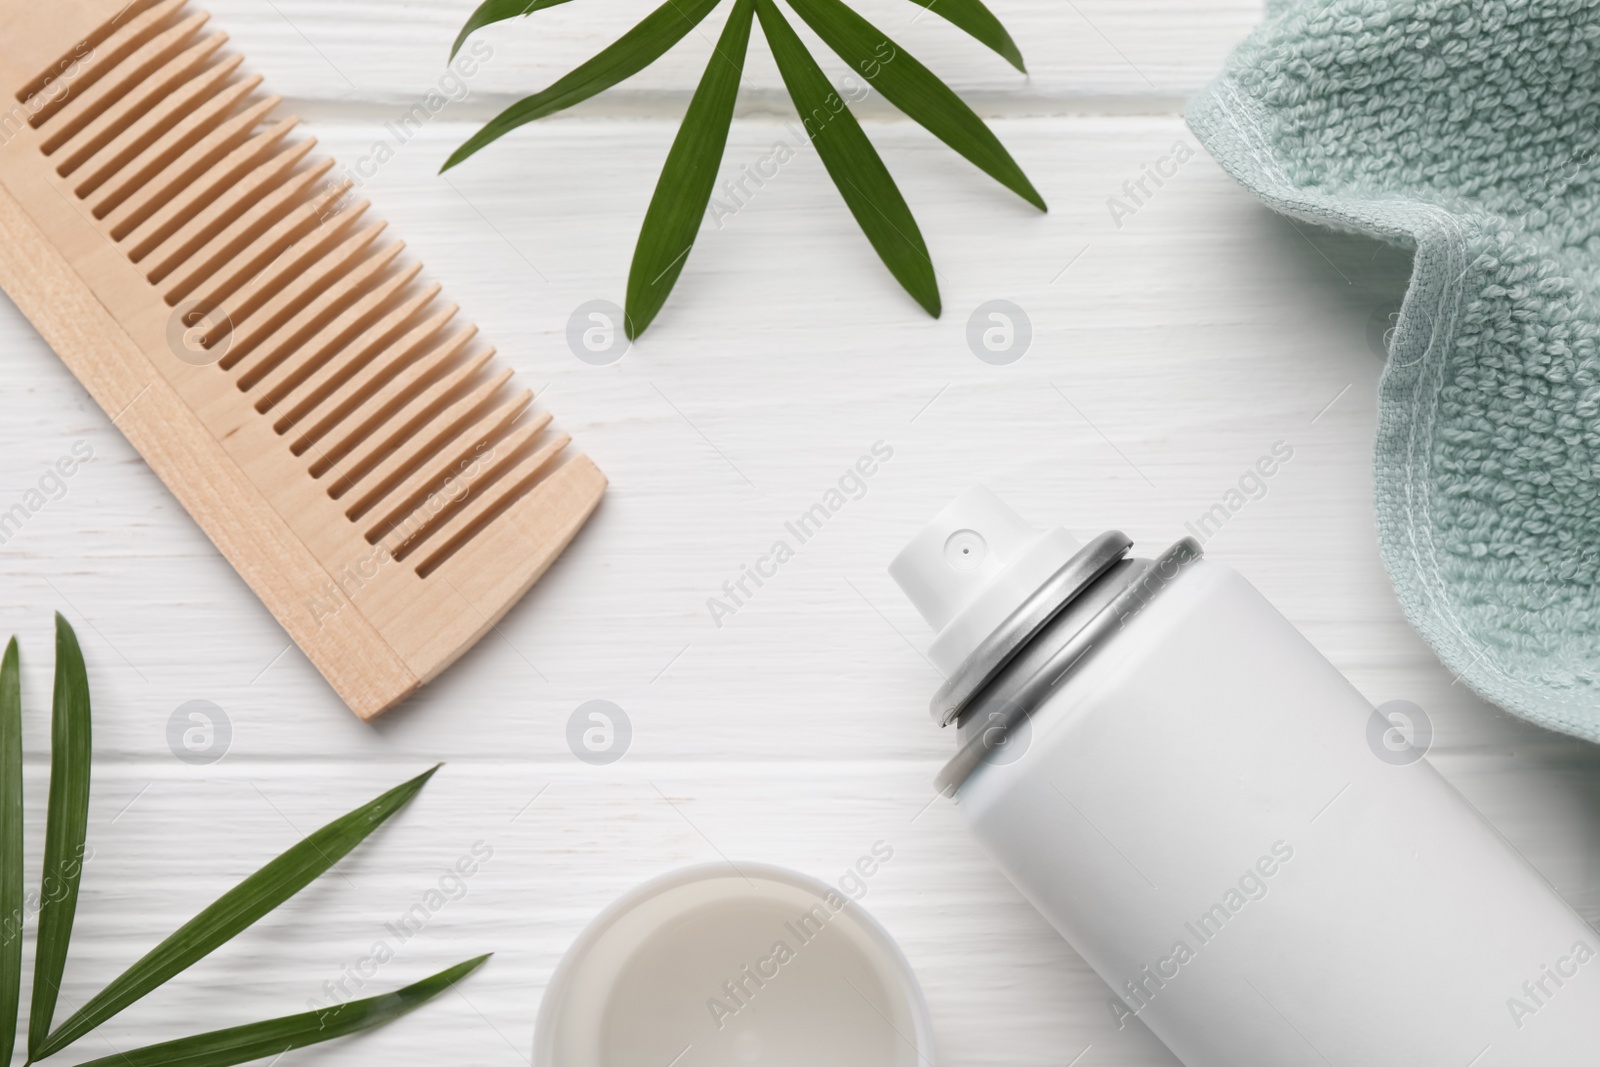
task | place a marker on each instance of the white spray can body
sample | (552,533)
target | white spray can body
(1219,824)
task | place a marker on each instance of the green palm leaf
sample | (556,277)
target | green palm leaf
(914,89)
(491,11)
(690,173)
(66,827)
(628,55)
(258,1041)
(853,164)
(234,912)
(11,909)
(977,20)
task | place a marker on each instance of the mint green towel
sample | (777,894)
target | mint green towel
(1470,133)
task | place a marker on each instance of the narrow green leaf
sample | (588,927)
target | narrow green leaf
(623,58)
(491,11)
(66,826)
(914,89)
(977,20)
(853,164)
(234,912)
(11,906)
(274,1037)
(687,178)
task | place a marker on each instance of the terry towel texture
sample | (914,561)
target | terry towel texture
(1468,131)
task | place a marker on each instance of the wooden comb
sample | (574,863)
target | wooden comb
(338,432)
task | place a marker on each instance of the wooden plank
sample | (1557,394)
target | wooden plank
(373,52)
(1191,339)
(1165,358)
(1188,340)
(562,840)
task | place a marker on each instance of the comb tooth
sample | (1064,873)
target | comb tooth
(501,486)
(332,299)
(411,444)
(202,168)
(170,146)
(377,340)
(255,237)
(292,247)
(236,204)
(85,49)
(84,105)
(121,38)
(130,109)
(401,496)
(386,384)
(126,146)
(250,246)
(234,211)
(297,280)
(366,443)
(330,340)
(258,151)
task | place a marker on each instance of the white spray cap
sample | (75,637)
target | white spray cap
(972,566)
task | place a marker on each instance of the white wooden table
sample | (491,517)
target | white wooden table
(1167,354)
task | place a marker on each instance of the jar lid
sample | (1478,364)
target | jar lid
(726,966)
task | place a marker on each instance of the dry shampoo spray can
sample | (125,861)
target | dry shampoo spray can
(1255,862)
